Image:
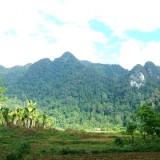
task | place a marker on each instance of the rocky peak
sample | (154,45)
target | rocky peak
(137,76)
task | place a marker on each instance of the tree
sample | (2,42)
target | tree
(4,110)
(130,130)
(150,120)
(44,118)
(154,100)
(5,114)
(31,109)
(2,90)
(13,115)
(50,121)
(18,116)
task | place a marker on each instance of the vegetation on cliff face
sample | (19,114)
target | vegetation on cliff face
(80,94)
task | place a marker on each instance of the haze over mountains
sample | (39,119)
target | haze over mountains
(90,92)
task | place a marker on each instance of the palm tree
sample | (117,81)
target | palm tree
(44,118)
(31,109)
(36,117)
(13,115)
(5,114)
(50,120)
(19,116)
(24,117)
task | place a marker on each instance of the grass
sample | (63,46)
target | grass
(22,143)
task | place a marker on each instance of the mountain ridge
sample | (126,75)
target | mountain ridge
(67,85)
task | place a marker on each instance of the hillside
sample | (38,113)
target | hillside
(81,93)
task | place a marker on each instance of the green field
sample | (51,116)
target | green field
(41,144)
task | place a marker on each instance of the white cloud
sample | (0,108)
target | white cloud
(27,49)
(119,15)
(74,35)
(135,52)
(79,40)
(31,44)
(134,14)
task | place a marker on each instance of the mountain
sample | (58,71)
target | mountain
(138,76)
(12,75)
(78,92)
(107,69)
(152,70)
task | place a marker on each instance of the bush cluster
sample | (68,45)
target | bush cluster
(21,148)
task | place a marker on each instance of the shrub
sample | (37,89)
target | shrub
(118,141)
(28,158)
(20,149)
(54,150)
(14,156)
(23,147)
(96,151)
(43,151)
(73,151)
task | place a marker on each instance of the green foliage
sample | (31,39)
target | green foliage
(131,128)
(28,157)
(82,94)
(55,142)
(14,156)
(21,148)
(140,147)
(118,141)
(150,119)
(2,90)
(5,112)
(72,151)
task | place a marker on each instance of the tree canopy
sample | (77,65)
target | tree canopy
(149,120)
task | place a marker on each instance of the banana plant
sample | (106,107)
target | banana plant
(44,118)
(31,109)
(5,114)
(36,118)
(24,117)
(49,121)
(13,115)
(18,117)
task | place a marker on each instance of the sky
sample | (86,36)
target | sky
(124,32)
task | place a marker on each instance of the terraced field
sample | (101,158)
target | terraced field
(52,144)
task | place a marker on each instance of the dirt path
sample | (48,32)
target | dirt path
(110,156)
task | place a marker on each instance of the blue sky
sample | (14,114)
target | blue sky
(103,31)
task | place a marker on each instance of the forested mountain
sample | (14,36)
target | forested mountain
(81,93)
(113,70)
(11,75)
